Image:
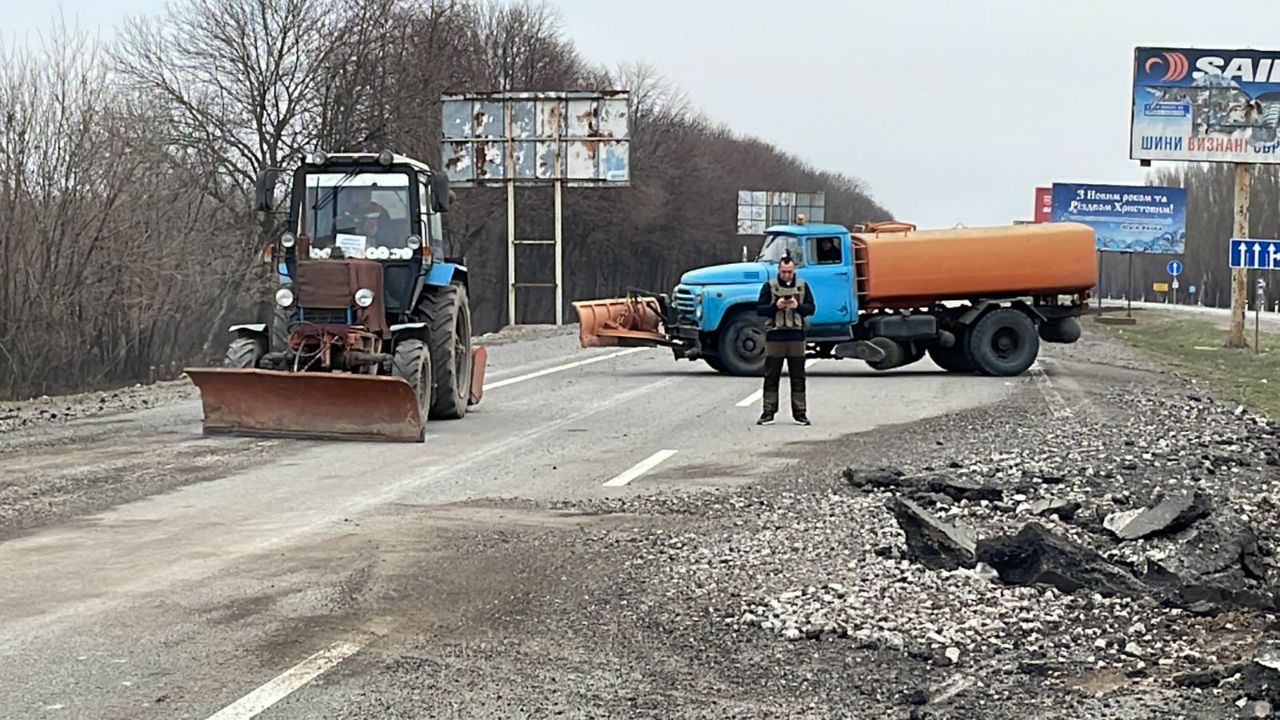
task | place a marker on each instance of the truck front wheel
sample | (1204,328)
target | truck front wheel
(741,345)
(714,363)
(1004,343)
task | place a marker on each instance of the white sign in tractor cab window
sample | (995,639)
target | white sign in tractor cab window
(362,215)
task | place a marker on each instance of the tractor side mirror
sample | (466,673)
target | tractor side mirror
(264,190)
(441,195)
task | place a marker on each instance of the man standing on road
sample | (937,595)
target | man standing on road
(785,302)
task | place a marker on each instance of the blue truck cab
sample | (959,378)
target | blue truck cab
(713,309)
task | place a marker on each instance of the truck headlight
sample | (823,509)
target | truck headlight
(284,297)
(364,297)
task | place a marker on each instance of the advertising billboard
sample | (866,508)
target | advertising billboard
(1205,105)
(1126,218)
(1044,204)
(536,138)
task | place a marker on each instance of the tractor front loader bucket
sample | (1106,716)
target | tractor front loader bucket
(630,321)
(308,405)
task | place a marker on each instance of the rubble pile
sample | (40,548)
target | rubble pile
(1137,538)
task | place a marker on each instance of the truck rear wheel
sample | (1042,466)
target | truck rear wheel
(449,318)
(1066,331)
(741,344)
(954,359)
(1004,342)
(244,353)
(412,362)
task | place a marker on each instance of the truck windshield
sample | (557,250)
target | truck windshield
(775,246)
(357,215)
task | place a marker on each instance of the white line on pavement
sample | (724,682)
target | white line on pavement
(640,468)
(1052,397)
(277,688)
(754,397)
(558,368)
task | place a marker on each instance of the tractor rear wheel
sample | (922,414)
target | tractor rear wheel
(244,352)
(449,318)
(412,362)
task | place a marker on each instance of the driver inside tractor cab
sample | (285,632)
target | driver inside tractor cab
(365,215)
(358,214)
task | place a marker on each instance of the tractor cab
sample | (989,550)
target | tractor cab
(382,208)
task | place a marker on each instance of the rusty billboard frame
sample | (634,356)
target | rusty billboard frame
(760,209)
(535,139)
(581,138)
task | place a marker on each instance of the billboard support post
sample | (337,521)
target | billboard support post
(1128,293)
(1101,294)
(1240,275)
(559,230)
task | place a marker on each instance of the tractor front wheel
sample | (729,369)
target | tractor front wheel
(412,362)
(244,353)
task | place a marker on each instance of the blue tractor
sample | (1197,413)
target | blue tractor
(372,325)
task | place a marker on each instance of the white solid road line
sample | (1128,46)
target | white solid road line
(640,468)
(279,687)
(1052,397)
(558,368)
(754,397)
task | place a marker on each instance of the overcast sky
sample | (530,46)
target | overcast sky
(951,111)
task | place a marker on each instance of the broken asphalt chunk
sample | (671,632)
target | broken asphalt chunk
(930,541)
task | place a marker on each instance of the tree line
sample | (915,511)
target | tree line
(127,166)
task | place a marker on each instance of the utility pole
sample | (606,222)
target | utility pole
(1240,275)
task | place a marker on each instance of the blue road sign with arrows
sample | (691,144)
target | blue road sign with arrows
(1174,267)
(1255,254)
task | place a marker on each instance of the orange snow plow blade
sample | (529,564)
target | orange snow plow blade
(317,405)
(479,358)
(630,321)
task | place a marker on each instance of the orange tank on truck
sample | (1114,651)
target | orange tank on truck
(911,269)
(972,300)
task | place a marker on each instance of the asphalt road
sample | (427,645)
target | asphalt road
(288,562)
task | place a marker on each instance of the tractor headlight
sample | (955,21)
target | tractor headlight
(284,297)
(697,306)
(386,157)
(317,158)
(414,242)
(364,297)
(288,240)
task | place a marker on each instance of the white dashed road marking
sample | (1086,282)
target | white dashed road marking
(640,468)
(279,687)
(558,368)
(754,397)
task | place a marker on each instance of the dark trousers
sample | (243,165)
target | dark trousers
(775,354)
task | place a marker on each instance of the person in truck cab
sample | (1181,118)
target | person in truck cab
(785,302)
